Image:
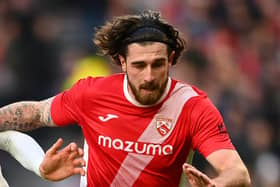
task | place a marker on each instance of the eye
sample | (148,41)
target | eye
(139,65)
(158,64)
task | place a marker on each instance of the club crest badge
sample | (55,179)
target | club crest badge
(163,125)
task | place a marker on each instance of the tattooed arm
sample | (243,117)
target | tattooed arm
(26,116)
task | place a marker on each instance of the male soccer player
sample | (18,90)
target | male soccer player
(139,125)
(23,148)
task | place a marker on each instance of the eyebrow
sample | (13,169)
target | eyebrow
(156,60)
(137,62)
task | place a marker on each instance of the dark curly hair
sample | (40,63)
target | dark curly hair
(113,37)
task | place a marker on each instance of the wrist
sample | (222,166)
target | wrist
(41,172)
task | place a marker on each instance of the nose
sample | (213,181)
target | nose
(149,74)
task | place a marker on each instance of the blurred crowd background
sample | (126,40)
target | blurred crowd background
(233,55)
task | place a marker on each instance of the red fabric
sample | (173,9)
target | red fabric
(89,101)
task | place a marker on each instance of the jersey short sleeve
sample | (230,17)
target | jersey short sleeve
(67,106)
(209,132)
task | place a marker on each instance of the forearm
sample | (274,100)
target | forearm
(23,148)
(234,177)
(231,170)
(19,116)
(25,116)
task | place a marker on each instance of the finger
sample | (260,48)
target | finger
(196,175)
(73,146)
(80,171)
(74,154)
(81,152)
(70,147)
(79,162)
(196,172)
(186,165)
(193,180)
(190,177)
(189,168)
(204,178)
(55,147)
(186,168)
(78,152)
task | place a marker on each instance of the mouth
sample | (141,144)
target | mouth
(145,90)
(149,87)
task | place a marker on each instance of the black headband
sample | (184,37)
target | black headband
(147,33)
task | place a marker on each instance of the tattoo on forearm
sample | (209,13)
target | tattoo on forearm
(26,116)
(46,113)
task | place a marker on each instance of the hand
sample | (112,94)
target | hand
(196,178)
(58,165)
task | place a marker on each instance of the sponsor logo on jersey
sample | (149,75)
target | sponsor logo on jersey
(163,125)
(108,117)
(135,147)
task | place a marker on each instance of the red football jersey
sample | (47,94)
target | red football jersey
(130,144)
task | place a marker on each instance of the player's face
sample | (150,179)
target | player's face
(147,66)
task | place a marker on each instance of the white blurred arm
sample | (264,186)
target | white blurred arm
(55,165)
(3,182)
(23,148)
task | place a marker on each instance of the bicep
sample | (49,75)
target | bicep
(224,159)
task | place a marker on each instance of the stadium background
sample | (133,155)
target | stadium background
(234,55)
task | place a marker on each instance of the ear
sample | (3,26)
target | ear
(170,58)
(123,63)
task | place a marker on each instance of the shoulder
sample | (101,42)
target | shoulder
(187,90)
(95,82)
(109,80)
(197,101)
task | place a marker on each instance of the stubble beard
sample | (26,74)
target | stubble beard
(148,99)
